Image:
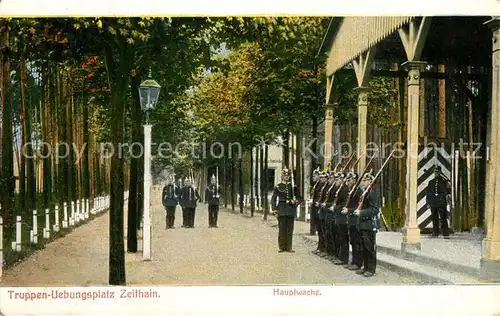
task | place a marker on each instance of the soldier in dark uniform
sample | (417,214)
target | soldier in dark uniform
(284,202)
(317,198)
(313,219)
(329,219)
(212,193)
(190,197)
(180,188)
(437,191)
(341,222)
(169,199)
(367,228)
(322,213)
(352,222)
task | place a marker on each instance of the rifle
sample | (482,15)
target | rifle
(333,184)
(338,164)
(358,181)
(336,199)
(368,188)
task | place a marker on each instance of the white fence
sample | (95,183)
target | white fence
(78,211)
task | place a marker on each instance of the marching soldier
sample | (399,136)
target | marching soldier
(320,218)
(367,211)
(352,222)
(284,202)
(190,197)
(169,199)
(313,219)
(341,221)
(437,191)
(212,193)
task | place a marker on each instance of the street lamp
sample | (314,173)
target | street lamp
(149,91)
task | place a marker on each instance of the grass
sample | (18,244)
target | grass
(11,257)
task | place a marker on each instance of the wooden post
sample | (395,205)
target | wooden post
(35,227)
(490,259)
(47,224)
(18,233)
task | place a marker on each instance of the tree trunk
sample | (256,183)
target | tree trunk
(85,152)
(257,177)
(252,202)
(25,139)
(266,181)
(132,212)
(7,180)
(286,149)
(240,184)
(233,185)
(263,194)
(224,171)
(119,84)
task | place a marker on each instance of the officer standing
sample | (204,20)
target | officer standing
(317,198)
(352,222)
(366,213)
(190,197)
(341,221)
(284,202)
(169,201)
(212,193)
(437,191)
(313,218)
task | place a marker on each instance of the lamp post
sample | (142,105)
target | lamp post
(149,90)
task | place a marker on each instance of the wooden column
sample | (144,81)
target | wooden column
(362,118)
(411,231)
(490,259)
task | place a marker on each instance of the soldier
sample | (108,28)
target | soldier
(284,202)
(437,191)
(329,219)
(190,197)
(313,219)
(352,221)
(367,212)
(178,193)
(212,193)
(169,199)
(318,193)
(322,214)
(341,220)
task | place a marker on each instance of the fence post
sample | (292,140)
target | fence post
(65,215)
(72,218)
(18,233)
(1,246)
(87,208)
(35,227)
(56,224)
(47,224)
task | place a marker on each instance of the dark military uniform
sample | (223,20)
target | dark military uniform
(330,221)
(212,199)
(354,235)
(322,217)
(341,223)
(318,193)
(189,197)
(169,201)
(368,231)
(437,190)
(282,199)
(313,219)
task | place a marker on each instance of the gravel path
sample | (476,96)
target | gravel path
(242,251)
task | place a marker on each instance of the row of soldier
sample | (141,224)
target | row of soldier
(187,196)
(344,211)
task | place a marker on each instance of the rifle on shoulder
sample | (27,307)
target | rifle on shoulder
(358,181)
(369,187)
